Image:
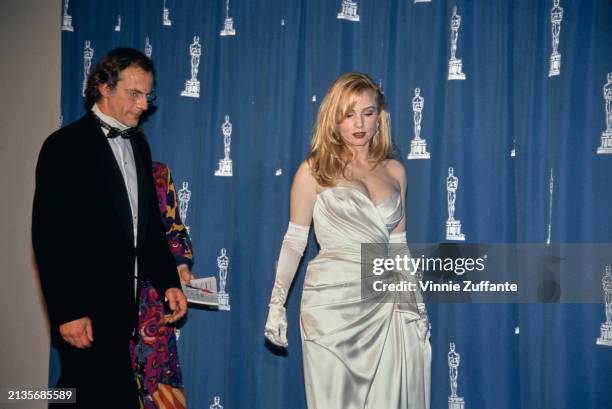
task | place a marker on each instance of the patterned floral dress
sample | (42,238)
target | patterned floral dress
(154,353)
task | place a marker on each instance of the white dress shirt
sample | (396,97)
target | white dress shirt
(122,149)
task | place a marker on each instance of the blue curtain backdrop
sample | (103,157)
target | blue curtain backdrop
(270,77)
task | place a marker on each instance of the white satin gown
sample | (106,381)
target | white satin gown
(358,354)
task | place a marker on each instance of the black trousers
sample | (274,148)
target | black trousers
(102,375)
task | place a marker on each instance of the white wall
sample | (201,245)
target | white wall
(30,55)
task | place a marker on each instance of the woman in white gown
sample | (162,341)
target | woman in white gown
(358,351)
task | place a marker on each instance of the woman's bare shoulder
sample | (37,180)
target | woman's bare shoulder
(396,169)
(303,176)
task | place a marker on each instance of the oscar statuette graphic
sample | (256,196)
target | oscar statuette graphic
(88,54)
(223,265)
(166,16)
(228,23)
(455,65)
(606,135)
(216,403)
(349,11)
(225,164)
(418,145)
(192,85)
(66,19)
(606,327)
(454,401)
(184,195)
(453,226)
(556,16)
(148,48)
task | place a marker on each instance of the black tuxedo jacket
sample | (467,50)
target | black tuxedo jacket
(82,231)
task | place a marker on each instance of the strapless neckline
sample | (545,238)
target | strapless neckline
(366,197)
(347,211)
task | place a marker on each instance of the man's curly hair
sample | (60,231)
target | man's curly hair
(108,70)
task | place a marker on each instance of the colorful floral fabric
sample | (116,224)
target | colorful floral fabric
(176,232)
(154,353)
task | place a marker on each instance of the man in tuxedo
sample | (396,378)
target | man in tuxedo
(97,230)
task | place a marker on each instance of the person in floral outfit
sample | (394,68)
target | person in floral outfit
(154,354)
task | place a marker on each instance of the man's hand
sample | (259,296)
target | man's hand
(185,275)
(78,333)
(178,305)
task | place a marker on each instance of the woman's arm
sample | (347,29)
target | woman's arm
(398,172)
(303,197)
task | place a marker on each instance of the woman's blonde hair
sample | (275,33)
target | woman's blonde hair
(329,155)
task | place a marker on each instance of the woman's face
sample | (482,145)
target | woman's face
(359,126)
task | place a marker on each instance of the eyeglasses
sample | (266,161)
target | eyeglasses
(136,95)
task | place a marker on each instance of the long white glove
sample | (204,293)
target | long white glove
(398,240)
(291,252)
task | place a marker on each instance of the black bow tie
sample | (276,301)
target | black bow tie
(115,132)
(126,133)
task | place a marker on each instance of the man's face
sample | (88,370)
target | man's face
(128,100)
